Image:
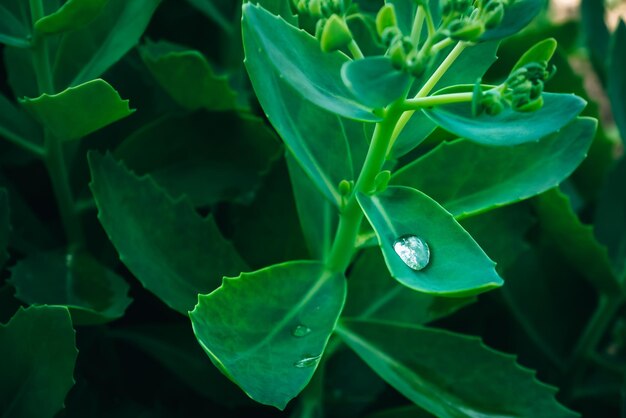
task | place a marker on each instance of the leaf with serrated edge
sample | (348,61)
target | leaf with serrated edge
(173,252)
(483,177)
(79,111)
(267,330)
(448,374)
(74,14)
(37,357)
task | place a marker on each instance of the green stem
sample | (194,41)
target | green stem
(354,49)
(423,102)
(19,141)
(418,23)
(350,219)
(53,155)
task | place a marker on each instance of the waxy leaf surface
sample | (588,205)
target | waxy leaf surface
(468,178)
(74,14)
(37,356)
(187,77)
(375,295)
(274,46)
(450,375)
(457,266)
(92,293)
(173,252)
(79,111)
(374,81)
(517,14)
(267,330)
(509,127)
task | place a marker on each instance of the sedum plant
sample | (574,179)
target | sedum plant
(306,205)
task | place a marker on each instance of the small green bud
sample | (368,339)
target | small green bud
(397,55)
(345,187)
(382,181)
(319,28)
(531,106)
(492,102)
(494,15)
(390,34)
(386,18)
(315,8)
(335,35)
(416,64)
(465,30)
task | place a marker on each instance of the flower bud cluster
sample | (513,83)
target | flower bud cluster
(467,20)
(522,91)
(322,9)
(331,28)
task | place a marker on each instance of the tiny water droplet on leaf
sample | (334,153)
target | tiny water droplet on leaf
(308,361)
(413,251)
(301,331)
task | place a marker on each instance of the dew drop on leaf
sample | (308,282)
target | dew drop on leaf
(301,331)
(413,251)
(307,361)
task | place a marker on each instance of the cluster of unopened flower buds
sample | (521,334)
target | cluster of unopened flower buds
(468,20)
(522,91)
(403,53)
(331,28)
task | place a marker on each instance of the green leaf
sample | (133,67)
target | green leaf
(318,216)
(509,127)
(74,14)
(540,52)
(277,52)
(374,295)
(79,111)
(450,375)
(15,23)
(87,53)
(5,226)
(17,127)
(617,79)
(517,14)
(596,34)
(374,81)
(187,77)
(37,356)
(515,173)
(92,293)
(610,218)
(171,250)
(175,347)
(471,65)
(575,240)
(267,330)
(215,157)
(456,266)
(280,8)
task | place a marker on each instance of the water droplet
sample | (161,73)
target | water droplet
(301,331)
(307,361)
(413,251)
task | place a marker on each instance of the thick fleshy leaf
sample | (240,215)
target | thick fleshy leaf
(74,14)
(275,49)
(37,356)
(267,330)
(87,53)
(540,52)
(374,81)
(171,250)
(5,226)
(92,293)
(187,77)
(375,295)
(318,216)
(610,218)
(175,348)
(617,79)
(575,240)
(518,14)
(468,178)
(470,65)
(596,34)
(215,157)
(280,8)
(450,375)
(317,138)
(509,127)
(455,264)
(79,111)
